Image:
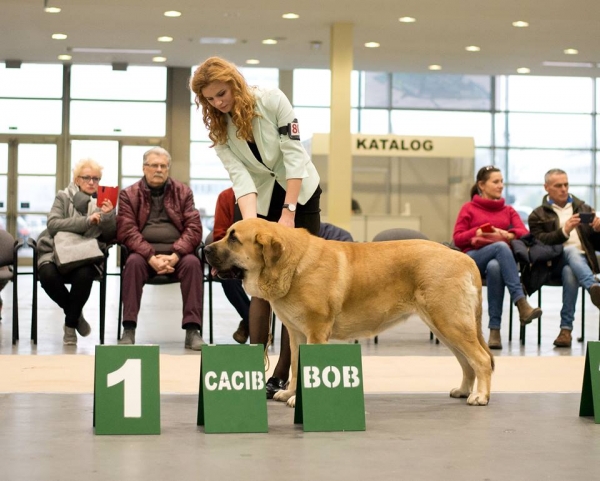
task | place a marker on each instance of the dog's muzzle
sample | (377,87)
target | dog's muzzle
(223,272)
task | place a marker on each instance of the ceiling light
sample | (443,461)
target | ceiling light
(59,36)
(435,67)
(472,48)
(571,51)
(568,64)
(252,61)
(520,24)
(64,57)
(217,40)
(52,10)
(172,13)
(159,59)
(372,44)
(114,50)
(290,16)
(269,41)
(407,19)
(165,39)
(523,70)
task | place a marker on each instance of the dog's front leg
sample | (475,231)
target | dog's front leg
(289,395)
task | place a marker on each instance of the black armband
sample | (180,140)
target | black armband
(292,130)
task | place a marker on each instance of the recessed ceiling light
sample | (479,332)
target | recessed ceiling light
(568,64)
(520,24)
(159,59)
(372,44)
(52,10)
(252,61)
(472,48)
(217,40)
(290,16)
(407,19)
(64,57)
(172,13)
(435,67)
(269,41)
(523,70)
(165,39)
(59,36)
(571,51)
(115,50)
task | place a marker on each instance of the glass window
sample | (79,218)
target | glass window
(354,93)
(3,196)
(197,129)
(37,159)
(3,158)
(375,89)
(30,116)
(313,121)
(118,118)
(206,193)
(529,166)
(435,91)
(36,193)
(550,94)
(105,152)
(374,121)
(500,129)
(132,160)
(354,121)
(204,162)
(550,130)
(261,77)
(483,157)
(453,124)
(102,82)
(25,81)
(312,87)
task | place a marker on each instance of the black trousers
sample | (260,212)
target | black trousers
(237,296)
(71,302)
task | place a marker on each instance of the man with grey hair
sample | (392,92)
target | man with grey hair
(564,219)
(161,228)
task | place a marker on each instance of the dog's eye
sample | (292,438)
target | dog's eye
(232,238)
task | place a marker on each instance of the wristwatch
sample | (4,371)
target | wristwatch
(290,207)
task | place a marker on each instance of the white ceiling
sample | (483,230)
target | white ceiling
(439,36)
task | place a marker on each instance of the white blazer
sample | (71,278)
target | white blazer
(283,157)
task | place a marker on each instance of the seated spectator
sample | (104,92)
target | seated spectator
(333,232)
(75,210)
(558,222)
(495,261)
(161,228)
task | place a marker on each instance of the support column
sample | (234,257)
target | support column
(178,123)
(339,166)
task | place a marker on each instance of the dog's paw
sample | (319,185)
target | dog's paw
(478,399)
(457,393)
(291,402)
(283,395)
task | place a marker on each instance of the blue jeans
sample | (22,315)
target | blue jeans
(497,264)
(580,275)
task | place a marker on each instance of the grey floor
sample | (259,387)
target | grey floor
(409,436)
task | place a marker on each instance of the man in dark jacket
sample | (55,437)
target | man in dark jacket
(559,221)
(161,228)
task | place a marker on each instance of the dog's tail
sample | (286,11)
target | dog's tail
(478,316)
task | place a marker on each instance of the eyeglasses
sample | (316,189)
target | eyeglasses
(157,166)
(87,178)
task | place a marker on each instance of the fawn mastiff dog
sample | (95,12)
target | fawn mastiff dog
(322,289)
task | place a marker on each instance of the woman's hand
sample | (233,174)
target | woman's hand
(95,218)
(107,206)
(287,218)
(504,233)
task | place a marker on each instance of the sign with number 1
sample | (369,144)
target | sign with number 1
(126,390)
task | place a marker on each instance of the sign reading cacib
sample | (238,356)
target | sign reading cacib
(394,144)
(590,392)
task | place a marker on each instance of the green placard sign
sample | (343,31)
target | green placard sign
(590,393)
(127,390)
(232,396)
(329,393)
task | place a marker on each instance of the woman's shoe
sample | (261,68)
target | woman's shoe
(526,312)
(495,341)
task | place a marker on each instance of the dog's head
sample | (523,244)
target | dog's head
(251,249)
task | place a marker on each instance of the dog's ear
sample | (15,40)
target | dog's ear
(272,248)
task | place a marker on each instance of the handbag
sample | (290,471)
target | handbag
(74,250)
(480,241)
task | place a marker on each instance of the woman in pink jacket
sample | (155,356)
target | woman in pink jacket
(488,214)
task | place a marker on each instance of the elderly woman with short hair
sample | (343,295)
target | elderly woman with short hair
(75,210)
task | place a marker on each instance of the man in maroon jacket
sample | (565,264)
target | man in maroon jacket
(161,228)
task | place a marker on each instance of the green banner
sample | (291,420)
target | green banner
(232,396)
(590,392)
(127,390)
(329,393)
